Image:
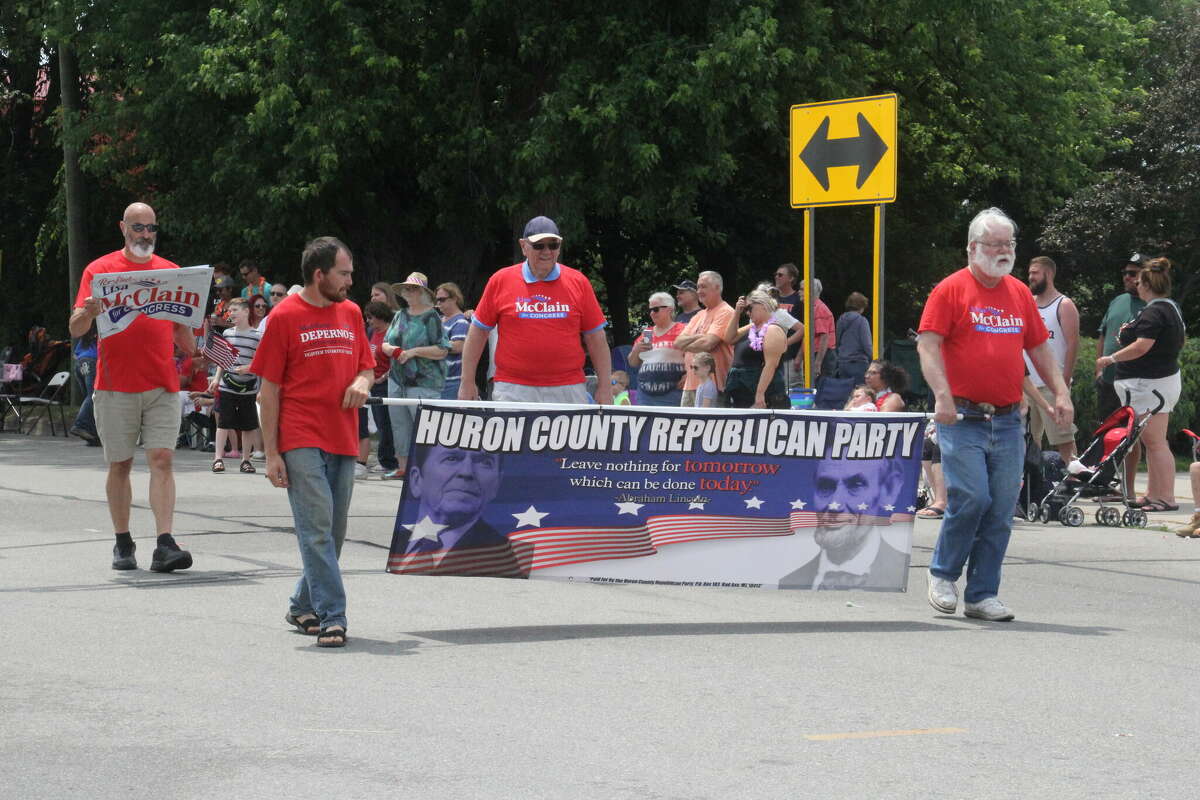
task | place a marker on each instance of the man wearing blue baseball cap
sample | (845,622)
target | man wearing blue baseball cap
(541,308)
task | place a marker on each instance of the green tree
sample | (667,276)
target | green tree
(1148,197)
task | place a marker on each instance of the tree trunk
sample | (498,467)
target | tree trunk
(76,196)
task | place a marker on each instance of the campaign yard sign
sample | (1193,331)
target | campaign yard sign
(778,499)
(179,295)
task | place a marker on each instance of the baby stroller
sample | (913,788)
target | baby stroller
(1099,474)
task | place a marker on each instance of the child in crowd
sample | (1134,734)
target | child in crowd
(706,394)
(620,382)
(239,389)
(861,399)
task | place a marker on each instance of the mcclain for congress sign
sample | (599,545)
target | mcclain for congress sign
(785,499)
(178,295)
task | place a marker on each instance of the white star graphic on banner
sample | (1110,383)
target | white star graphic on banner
(425,529)
(889,507)
(695,505)
(862,506)
(800,504)
(627,508)
(835,505)
(754,502)
(911,509)
(531,517)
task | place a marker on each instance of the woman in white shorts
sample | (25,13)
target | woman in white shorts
(1147,370)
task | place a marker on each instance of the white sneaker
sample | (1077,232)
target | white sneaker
(989,608)
(360,471)
(259,455)
(377,468)
(943,594)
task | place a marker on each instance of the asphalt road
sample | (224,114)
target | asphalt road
(132,685)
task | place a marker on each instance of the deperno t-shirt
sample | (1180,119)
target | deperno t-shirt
(313,353)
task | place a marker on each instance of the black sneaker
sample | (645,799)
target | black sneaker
(84,434)
(170,558)
(124,560)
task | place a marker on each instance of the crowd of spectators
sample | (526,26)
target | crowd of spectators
(696,350)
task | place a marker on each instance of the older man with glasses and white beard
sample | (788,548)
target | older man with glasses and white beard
(136,394)
(975,327)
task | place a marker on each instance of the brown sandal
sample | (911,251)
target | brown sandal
(247,467)
(218,466)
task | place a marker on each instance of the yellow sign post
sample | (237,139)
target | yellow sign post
(842,153)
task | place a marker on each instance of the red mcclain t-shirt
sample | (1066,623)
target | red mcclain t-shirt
(984,334)
(313,353)
(540,324)
(141,357)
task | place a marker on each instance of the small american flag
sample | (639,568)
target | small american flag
(218,350)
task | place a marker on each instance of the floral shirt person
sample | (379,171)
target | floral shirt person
(407,332)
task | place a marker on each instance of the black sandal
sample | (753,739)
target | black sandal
(308,624)
(247,467)
(336,637)
(218,466)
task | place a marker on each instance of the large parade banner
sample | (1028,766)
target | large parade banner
(780,499)
(178,295)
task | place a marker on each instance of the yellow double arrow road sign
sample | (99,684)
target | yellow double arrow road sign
(843,152)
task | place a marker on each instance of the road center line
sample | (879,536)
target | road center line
(829,737)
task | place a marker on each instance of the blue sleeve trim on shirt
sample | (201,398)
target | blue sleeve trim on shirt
(480,325)
(599,327)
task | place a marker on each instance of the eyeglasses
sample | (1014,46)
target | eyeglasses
(440,299)
(138,227)
(278,294)
(260,305)
(1007,243)
(1130,273)
(552,245)
(657,308)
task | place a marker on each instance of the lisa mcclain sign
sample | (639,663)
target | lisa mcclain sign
(178,295)
(784,499)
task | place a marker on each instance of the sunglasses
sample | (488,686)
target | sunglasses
(657,308)
(278,294)
(1130,273)
(554,245)
(440,299)
(138,227)
(260,305)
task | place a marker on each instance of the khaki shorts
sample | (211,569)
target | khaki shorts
(1040,421)
(519,393)
(121,417)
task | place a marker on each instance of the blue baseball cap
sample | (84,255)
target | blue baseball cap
(540,228)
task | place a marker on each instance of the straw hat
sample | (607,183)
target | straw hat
(417,279)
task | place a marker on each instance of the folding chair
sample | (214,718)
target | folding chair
(45,403)
(10,377)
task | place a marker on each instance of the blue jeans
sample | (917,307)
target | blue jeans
(982,464)
(319,488)
(85,374)
(450,389)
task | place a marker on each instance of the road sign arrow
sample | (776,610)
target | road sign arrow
(863,151)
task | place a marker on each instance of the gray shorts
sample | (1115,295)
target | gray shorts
(519,393)
(121,417)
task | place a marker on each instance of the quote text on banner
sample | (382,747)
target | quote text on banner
(788,499)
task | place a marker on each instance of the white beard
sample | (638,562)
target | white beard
(142,250)
(995,266)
